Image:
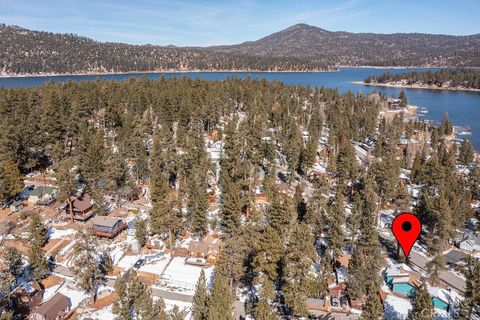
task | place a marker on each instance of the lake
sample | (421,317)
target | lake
(463,107)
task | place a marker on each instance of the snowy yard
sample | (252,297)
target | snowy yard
(181,277)
(59,234)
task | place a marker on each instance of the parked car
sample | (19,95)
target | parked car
(335,302)
(139,263)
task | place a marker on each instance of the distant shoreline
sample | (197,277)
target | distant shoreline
(424,87)
(32,75)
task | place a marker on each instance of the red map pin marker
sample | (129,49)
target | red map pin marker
(406,228)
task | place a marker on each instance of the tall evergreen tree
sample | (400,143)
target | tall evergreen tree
(11,182)
(85,264)
(422,306)
(220,301)
(466,154)
(372,308)
(67,184)
(470,306)
(200,297)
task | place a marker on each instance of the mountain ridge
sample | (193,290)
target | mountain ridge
(300,47)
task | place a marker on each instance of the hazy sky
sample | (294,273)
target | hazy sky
(189,22)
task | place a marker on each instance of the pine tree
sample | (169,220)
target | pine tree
(470,305)
(353,221)
(262,309)
(403,99)
(269,249)
(13,259)
(466,154)
(298,260)
(446,127)
(37,231)
(365,263)
(11,182)
(373,308)
(220,301)
(85,265)
(200,298)
(336,218)
(231,206)
(434,267)
(165,216)
(281,214)
(37,260)
(422,306)
(198,206)
(140,231)
(347,164)
(175,314)
(67,184)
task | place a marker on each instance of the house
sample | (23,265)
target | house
(28,296)
(394,104)
(207,249)
(42,195)
(16,206)
(469,242)
(56,308)
(108,227)
(156,243)
(441,298)
(401,280)
(455,257)
(81,208)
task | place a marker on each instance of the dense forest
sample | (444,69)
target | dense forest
(365,49)
(298,48)
(465,78)
(29,52)
(119,134)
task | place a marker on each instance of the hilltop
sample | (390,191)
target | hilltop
(364,49)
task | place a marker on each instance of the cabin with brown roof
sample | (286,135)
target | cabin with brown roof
(208,248)
(108,227)
(81,208)
(57,308)
(27,297)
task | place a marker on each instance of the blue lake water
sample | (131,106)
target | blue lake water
(462,107)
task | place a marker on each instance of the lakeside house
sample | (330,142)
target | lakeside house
(55,308)
(42,195)
(108,227)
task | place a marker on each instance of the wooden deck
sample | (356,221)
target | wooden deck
(110,235)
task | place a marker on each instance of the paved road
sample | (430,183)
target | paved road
(160,293)
(64,271)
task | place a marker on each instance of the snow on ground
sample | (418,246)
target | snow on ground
(127,262)
(101,314)
(396,308)
(76,296)
(116,254)
(59,234)
(155,267)
(169,304)
(182,277)
(50,292)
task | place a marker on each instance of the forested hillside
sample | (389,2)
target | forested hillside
(298,48)
(29,52)
(365,49)
(446,78)
(295,146)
